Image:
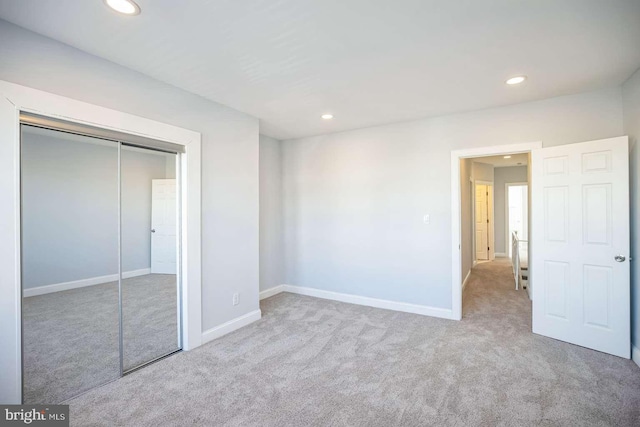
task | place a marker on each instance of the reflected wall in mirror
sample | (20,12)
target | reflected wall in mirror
(70,308)
(149,209)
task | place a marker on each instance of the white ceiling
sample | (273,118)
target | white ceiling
(368,62)
(521,159)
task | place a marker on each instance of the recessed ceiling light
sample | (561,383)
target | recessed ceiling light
(507,157)
(516,80)
(126,7)
(327,116)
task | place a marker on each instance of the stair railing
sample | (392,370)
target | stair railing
(515,258)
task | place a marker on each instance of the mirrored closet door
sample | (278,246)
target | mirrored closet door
(149,255)
(70,308)
(100,251)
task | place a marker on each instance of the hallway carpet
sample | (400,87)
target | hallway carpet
(312,362)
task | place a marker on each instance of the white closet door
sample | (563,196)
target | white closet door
(482,224)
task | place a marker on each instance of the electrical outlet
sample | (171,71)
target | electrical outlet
(236,299)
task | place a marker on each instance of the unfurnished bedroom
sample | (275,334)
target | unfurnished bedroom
(319,213)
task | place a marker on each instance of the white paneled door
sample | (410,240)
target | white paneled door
(163,226)
(482,222)
(580,244)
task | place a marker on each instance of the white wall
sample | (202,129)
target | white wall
(482,172)
(271,249)
(229,153)
(631,105)
(138,169)
(354,201)
(70,207)
(503,176)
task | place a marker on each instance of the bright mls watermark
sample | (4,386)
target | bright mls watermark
(34,415)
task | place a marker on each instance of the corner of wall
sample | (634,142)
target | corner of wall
(271,218)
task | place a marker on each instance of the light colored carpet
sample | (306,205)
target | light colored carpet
(312,362)
(71,338)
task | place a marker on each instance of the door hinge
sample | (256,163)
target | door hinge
(488,248)
(487,220)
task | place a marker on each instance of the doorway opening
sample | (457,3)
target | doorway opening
(499,213)
(481,209)
(579,215)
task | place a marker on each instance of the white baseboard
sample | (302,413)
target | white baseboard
(134,273)
(466,279)
(371,302)
(271,292)
(65,286)
(500,255)
(231,325)
(635,354)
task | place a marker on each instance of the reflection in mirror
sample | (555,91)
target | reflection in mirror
(149,215)
(70,309)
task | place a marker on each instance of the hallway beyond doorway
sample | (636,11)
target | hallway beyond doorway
(491,289)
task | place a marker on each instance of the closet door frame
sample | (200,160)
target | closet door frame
(16,99)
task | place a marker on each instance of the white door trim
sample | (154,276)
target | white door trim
(25,99)
(456,260)
(507,237)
